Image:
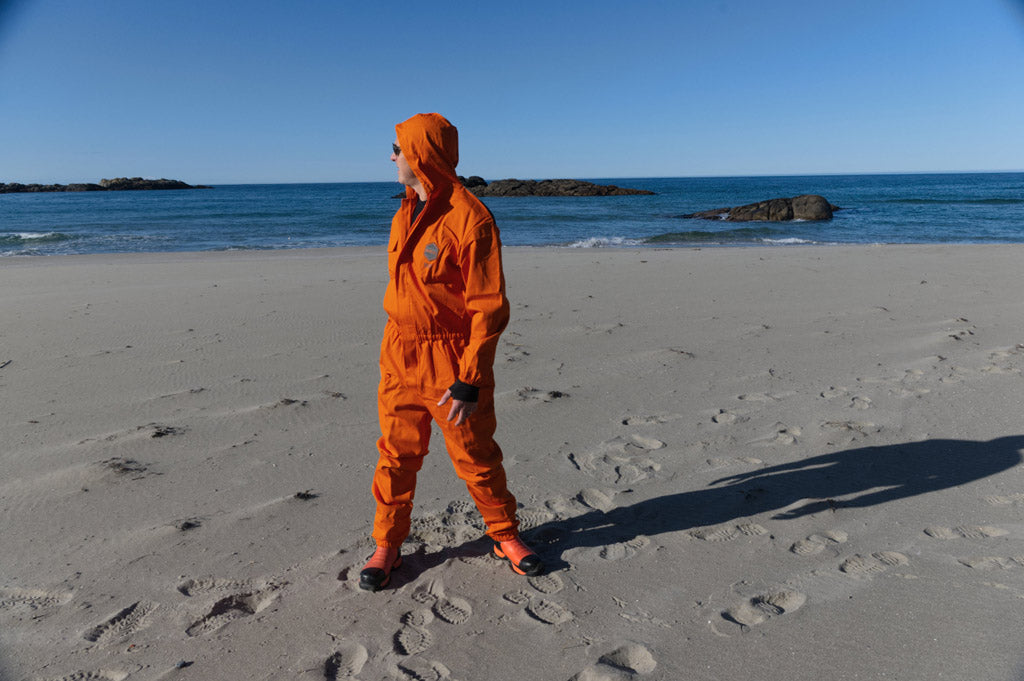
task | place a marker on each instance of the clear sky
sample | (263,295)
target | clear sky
(219,91)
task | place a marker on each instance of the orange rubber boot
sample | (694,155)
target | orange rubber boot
(376,574)
(519,556)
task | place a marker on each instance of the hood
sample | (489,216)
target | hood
(431,146)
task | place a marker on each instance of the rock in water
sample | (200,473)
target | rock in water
(812,207)
(551,188)
(117,184)
(803,207)
(480,187)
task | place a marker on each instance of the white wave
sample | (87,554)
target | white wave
(787,242)
(605,242)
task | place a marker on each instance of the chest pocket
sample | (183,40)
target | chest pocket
(433,261)
(392,253)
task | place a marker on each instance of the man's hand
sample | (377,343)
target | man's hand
(460,410)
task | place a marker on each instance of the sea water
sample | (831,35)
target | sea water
(875,209)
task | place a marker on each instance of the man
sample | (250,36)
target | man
(446,308)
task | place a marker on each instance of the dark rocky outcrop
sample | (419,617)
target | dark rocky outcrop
(803,207)
(116,184)
(480,187)
(551,188)
(133,183)
(472,181)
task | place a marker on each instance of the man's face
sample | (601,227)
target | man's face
(405,174)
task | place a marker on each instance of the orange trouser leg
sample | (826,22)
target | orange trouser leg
(477,460)
(405,416)
(405,436)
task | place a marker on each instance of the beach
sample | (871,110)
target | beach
(738,463)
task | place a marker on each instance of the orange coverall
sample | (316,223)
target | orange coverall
(446,308)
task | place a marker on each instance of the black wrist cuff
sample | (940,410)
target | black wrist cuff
(465,392)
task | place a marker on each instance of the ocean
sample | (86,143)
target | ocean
(876,209)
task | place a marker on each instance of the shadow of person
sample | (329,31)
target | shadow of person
(854,478)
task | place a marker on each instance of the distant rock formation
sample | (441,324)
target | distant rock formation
(472,181)
(116,184)
(803,207)
(547,188)
(133,183)
(480,187)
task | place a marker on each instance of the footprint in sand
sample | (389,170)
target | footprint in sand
(783,435)
(876,563)
(453,610)
(31,599)
(816,543)
(546,584)
(548,612)
(195,587)
(412,640)
(725,417)
(1000,361)
(965,532)
(860,402)
(623,550)
(997,369)
(1008,352)
(644,442)
(859,427)
(447,528)
(613,552)
(428,592)
(759,609)
(619,461)
(621,664)
(414,637)
(122,625)
(596,499)
(651,419)
(916,392)
(833,392)
(420,617)
(728,532)
(517,597)
(417,669)
(93,676)
(993,562)
(536,606)
(766,397)
(346,662)
(230,608)
(460,506)
(531,518)
(1005,499)
(716,463)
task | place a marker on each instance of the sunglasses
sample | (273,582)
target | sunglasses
(396,149)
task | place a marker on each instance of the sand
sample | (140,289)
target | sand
(742,463)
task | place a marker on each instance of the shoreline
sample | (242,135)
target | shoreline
(332,251)
(727,455)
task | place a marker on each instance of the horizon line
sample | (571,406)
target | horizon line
(659,177)
(617,177)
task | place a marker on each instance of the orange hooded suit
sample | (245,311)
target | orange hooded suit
(446,308)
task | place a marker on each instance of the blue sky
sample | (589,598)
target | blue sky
(220,91)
